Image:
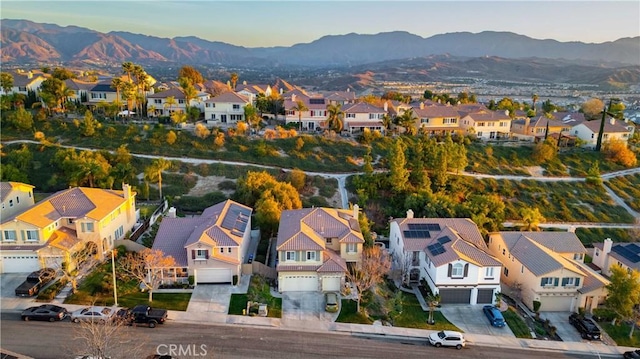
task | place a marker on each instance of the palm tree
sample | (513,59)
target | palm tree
(534,98)
(299,107)
(151,110)
(117,84)
(407,120)
(170,102)
(386,122)
(154,171)
(251,116)
(234,80)
(335,118)
(128,68)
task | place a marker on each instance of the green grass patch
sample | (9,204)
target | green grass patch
(517,324)
(259,291)
(627,188)
(620,333)
(238,303)
(413,316)
(349,313)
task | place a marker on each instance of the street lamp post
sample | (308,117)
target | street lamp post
(113,272)
(604,115)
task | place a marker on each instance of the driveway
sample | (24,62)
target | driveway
(8,283)
(471,319)
(211,298)
(568,333)
(305,306)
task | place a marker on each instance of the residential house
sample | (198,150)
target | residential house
(361,115)
(608,254)
(449,254)
(225,108)
(547,267)
(15,197)
(313,118)
(484,123)
(81,89)
(102,91)
(613,129)
(158,106)
(437,119)
(23,82)
(75,219)
(535,129)
(211,247)
(316,247)
(340,97)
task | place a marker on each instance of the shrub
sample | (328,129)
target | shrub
(604,314)
(536,305)
(51,291)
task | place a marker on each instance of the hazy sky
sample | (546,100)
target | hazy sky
(284,23)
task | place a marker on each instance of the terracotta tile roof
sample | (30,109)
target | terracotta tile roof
(615,127)
(176,92)
(103,87)
(297,268)
(470,108)
(307,228)
(332,262)
(340,96)
(229,97)
(172,236)
(361,107)
(436,112)
(489,116)
(64,238)
(23,80)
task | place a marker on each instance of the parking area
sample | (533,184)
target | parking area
(565,330)
(305,306)
(471,319)
(8,283)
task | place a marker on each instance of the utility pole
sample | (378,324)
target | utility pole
(113,272)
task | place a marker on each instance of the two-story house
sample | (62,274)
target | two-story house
(313,117)
(23,82)
(437,119)
(535,129)
(487,124)
(608,254)
(211,247)
(161,107)
(613,129)
(15,197)
(316,247)
(449,254)
(102,91)
(361,115)
(79,218)
(225,108)
(547,267)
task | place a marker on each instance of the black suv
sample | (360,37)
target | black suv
(587,327)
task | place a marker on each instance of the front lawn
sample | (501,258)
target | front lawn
(620,333)
(259,291)
(517,324)
(349,314)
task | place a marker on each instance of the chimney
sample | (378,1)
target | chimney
(422,105)
(293,97)
(281,91)
(409,214)
(527,123)
(30,75)
(127,190)
(172,212)
(356,211)
(612,121)
(385,107)
(606,249)
(244,82)
(506,112)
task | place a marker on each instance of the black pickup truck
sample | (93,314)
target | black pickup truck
(144,314)
(35,281)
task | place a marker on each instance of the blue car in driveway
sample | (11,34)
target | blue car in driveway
(495,316)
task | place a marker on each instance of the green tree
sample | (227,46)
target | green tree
(408,121)
(21,158)
(299,108)
(545,151)
(6,82)
(297,178)
(234,80)
(623,292)
(534,99)
(83,168)
(9,172)
(531,218)
(170,102)
(63,74)
(335,117)
(21,119)
(252,117)
(398,173)
(171,138)
(117,84)
(89,125)
(55,91)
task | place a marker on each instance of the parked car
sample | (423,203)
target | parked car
(93,314)
(35,281)
(635,354)
(587,327)
(48,312)
(144,314)
(331,302)
(495,316)
(447,338)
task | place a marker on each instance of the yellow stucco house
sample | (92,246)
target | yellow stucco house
(15,198)
(75,219)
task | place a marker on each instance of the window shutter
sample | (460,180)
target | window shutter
(466,270)
(543,281)
(206,254)
(449,270)
(577,282)
(565,281)
(555,281)
(193,254)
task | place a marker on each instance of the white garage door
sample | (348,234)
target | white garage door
(331,284)
(555,304)
(213,275)
(20,264)
(298,283)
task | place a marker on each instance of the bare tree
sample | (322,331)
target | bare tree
(146,266)
(402,267)
(113,340)
(374,266)
(433,300)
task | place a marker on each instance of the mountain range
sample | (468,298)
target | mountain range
(24,41)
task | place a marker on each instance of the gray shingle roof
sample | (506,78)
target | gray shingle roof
(316,224)
(172,236)
(592,280)
(560,242)
(5,189)
(72,203)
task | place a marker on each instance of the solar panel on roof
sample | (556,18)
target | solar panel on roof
(433,227)
(634,248)
(417,226)
(444,239)
(416,234)
(626,253)
(436,249)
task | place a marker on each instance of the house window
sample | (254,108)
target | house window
(350,115)
(157,101)
(424,120)
(480,124)
(221,250)
(236,107)
(87,227)
(311,255)
(351,248)
(577,256)
(22,88)
(479,134)
(10,203)
(569,282)
(488,272)
(548,281)
(329,240)
(597,252)
(504,251)
(181,102)
(506,272)
(32,235)
(119,232)
(18,200)
(415,260)
(9,236)
(452,121)
(228,249)
(521,269)
(290,256)
(457,270)
(201,254)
